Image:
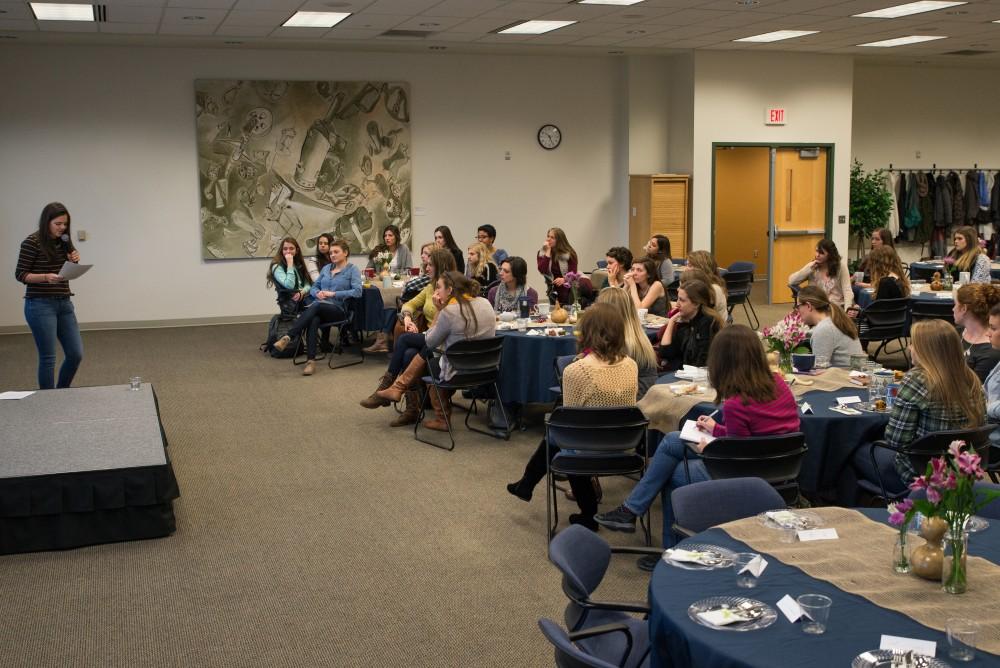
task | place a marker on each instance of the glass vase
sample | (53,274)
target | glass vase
(901,554)
(953,572)
(785,361)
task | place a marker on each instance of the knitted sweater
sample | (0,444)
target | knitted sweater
(592,382)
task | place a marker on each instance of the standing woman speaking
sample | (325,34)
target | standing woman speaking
(47,305)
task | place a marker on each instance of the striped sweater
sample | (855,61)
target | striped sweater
(32,260)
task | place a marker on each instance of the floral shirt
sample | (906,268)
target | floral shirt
(914,415)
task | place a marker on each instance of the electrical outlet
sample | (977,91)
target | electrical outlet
(842,220)
(81,235)
(506,155)
(918,155)
(756,253)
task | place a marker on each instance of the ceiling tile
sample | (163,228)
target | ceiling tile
(127,14)
(366,21)
(597,41)
(228,30)
(140,3)
(504,39)
(267,5)
(128,28)
(400,6)
(299,33)
(465,8)
(423,23)
(186,29)
(18,24)
(480,26)
(239,17)
(67,26)
(580,12)
(688,17)
(456,36)
(519,10)
(351,33)
(12,11)
(201,4)
(177,14)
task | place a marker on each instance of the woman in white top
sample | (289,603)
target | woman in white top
(658,248)
(401,258)
(643,284)
(969,256)
(828,272)
(314,265)
(834,335)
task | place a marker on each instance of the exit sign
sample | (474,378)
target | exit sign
(775,116)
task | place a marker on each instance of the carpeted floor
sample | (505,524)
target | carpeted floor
(309,533)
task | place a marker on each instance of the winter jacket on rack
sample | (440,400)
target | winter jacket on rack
(942,202)
(957,199)
(995,200)
(911,219)
(972,196)
(889,182)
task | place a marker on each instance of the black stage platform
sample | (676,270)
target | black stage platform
(82,466)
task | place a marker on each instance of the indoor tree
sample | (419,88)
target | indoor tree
(871,203)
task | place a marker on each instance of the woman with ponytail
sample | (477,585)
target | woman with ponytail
(834,334)
(969,256)
(972,311)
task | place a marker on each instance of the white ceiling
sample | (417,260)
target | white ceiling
(652,26)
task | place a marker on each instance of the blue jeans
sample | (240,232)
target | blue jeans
(52,318)
(406,348)
(666,473)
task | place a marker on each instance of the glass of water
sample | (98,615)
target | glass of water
(134,383)
(962,639)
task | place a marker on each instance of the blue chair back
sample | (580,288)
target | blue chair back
(743,266)
(702,505)
(567,654)
(582,557)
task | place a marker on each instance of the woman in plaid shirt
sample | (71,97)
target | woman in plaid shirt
(940,393)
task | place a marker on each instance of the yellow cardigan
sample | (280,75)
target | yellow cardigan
(423,302)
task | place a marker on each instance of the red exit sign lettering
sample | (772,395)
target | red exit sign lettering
(774,116)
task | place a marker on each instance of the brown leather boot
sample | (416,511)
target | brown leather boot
(379,346)
(404,381)
(373,400)
(412,412)
(441,401)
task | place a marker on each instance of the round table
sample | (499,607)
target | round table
(527,368)
(375,301)
(926,269)
(856,624)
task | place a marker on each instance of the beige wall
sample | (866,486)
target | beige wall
(110,132)
(681,116)
(648,106)
(731,92)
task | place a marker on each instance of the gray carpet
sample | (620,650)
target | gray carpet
(309,532)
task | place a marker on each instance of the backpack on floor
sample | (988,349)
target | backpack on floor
(277,328)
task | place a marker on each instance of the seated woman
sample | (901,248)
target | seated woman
(619,261)
(603,375)
(828,272)
(969,256)
(444,239)
(992,383)
(834,335)
(887,274)
(339,281)
(755,402)
(972,308)
(315,264)
(692,274)
(410,290)
(940,393)
(480,267)
(644,287)
(513,286)
(289,276)
(686,337)
(556,259)
(416,314)
(487,235)
(462,316)
(419,282)
(704,261)
(637,345)
(658,248)
(881,238)
(401,258)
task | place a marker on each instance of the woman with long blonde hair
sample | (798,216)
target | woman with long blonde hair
(556,259)
(480,266)
(637,345)
(969,256)
(887,275)
(940,393)
(834,334)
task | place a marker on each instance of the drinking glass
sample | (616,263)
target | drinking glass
(134,383)
(815,612)
(744,579)
(962,639)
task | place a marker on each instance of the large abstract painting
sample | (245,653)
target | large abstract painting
(299,158)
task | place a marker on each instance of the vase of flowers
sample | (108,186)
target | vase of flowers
(572,279)
(948,483)
(381,261)
(900,550)
(786,338)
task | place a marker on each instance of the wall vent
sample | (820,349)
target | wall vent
(101,13)
(967,52)
(407,34)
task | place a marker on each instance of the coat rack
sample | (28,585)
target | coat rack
(935,168)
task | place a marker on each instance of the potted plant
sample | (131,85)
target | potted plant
(871,203)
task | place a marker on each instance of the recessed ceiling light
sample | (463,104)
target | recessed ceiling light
(635,32)
(534,27)
(233,42)
(429,25)
(3,11)
(315,19)
(902,41)
(8,37)
(438,48)
(633,16)
(615,53)
(620,3)
(47,11)
(909,9)
(194,18)
(777,36)
(748,4)
(979,46)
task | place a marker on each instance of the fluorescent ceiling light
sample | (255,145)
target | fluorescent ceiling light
(534,27)
(47,11)
(777,36)
(623,3)
(908,9)
(901,41)
(315,19)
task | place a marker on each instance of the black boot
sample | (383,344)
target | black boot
(521,489)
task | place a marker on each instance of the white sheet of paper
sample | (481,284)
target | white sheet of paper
(925,647)
(691,433)
(941,295)
(756,566)
(71,270)
(15,395)
(844,401)
(791,609)
(817,534)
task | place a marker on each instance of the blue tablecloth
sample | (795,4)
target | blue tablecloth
(830,436)
(527,367)
(855,626)
(371,311)
(925,270)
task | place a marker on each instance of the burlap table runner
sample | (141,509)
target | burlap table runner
(859,562)
(664,410)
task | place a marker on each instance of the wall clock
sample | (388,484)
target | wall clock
(549,136)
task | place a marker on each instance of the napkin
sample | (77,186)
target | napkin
(756,566)
(783,518)
(806,408)
(677,554)
(722,617)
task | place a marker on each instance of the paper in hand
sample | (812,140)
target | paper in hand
(71,270)
(691,433)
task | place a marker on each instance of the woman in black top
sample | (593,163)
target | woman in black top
(972,311)
(444,239)
(48,308)
(686,337)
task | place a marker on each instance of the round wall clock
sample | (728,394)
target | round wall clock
(549,136)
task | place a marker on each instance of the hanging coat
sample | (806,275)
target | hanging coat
(925,194)
(942,202)
(958,199)
(901,198)
(893,223)
(995,200)
(911,219)
(971,196)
